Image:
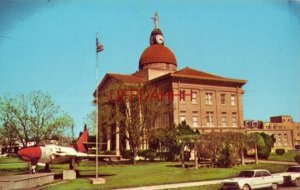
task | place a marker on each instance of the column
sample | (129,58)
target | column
(108,142)
(117,139)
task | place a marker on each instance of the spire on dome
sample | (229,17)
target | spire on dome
(155,19)
(156,36)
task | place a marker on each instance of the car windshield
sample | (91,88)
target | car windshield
(293,169)
(246,174)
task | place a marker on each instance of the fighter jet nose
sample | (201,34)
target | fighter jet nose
(32,154)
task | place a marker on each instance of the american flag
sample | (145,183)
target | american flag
(99,46)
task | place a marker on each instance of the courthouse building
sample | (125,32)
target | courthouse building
(207,102)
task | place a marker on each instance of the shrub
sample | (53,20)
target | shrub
(142,153)
(127,154)
(150,154)
(264,152)
(297,159)
(226,159)
(280,151)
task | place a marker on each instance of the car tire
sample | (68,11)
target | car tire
(274,186)
(297,182)
(246,187)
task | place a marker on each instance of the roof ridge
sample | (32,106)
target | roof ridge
(197,71)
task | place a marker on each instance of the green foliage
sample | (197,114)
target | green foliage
(297,159)
(90,121)
(150,155)
(174,139)
(127,154)
(280,151)
(226,157)
(222,149)
(34,116)
(264,152)
(185,135)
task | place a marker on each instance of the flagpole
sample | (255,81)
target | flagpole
(97,107)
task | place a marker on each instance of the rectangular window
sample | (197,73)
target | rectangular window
(233,100)
(182,116)
(223,102)
(208,98)
(234,119)
(195,119)
(224,119)
(182,95)
(194,97)
(209,119)
(285,139)
(278,139)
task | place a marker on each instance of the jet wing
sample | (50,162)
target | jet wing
(83,155)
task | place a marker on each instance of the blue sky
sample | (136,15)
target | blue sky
(49,45)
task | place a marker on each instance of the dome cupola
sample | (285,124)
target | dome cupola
(157,56)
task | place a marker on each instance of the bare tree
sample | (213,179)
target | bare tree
(90,121)
(34,116)
(8,137)
(122,106)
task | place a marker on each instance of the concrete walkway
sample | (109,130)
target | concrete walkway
(272,162)
(174,185)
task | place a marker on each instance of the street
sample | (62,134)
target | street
(289,188)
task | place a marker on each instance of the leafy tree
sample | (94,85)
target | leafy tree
(255,141)
(186,138)
(8,136)
(226,157)
(34,116)
(221,148)
(90,121)
(264,152)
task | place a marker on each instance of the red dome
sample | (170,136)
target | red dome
(157,53)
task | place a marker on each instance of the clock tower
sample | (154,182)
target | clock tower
(157,58)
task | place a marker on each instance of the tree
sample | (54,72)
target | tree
(222,148)
(186,138)
(90,121)
(255,141)
(133,117)
(34,116)
(8,137)
(264,152)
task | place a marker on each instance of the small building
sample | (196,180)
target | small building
(285,131)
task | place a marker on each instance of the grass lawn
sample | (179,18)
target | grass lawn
(11,166)
(288,156)
(144,173)
(122,175)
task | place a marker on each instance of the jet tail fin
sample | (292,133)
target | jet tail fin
(83,138)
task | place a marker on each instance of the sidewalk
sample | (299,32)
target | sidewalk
(272,162)
(174,185)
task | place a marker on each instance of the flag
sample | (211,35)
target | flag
(99,46)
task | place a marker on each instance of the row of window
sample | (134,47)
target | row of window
(281,139)
(208,98)
(210,121)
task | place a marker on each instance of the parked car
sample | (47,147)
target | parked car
(291,176)
(252,179)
